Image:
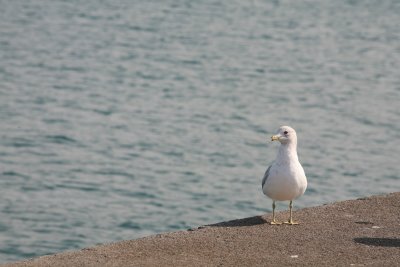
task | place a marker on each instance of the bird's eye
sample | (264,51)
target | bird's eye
(285,132)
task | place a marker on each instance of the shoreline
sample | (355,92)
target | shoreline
(361,232)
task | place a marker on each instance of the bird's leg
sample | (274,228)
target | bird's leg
(290,221)
(273,214)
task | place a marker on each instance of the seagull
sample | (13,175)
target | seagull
(285,179)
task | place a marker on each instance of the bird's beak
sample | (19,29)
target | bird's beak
(275,138)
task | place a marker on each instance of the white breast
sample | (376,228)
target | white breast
(285,182)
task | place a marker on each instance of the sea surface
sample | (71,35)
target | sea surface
(121,119)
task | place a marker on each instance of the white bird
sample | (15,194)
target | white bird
(285,179)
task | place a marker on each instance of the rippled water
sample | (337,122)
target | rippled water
(121,119)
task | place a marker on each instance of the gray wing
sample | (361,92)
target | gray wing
(265,177)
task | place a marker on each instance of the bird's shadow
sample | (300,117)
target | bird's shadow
(379,242)
(250,221)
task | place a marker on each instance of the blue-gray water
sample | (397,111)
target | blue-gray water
(121,119)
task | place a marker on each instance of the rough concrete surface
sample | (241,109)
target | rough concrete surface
(362,232)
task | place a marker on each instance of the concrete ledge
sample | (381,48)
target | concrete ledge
(362,232)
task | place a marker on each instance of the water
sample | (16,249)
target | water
(121,119)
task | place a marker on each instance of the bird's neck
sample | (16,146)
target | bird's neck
(287,152)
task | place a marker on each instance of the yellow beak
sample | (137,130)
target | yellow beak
(275,138)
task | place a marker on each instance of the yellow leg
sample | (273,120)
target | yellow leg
(290,221)
(273,222)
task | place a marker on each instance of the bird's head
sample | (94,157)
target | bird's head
(285,135)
